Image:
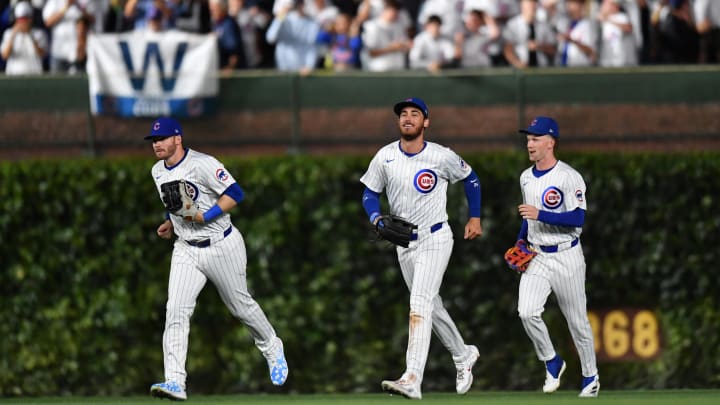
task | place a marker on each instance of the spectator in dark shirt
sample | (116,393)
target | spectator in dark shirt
(230,44)
(678,42)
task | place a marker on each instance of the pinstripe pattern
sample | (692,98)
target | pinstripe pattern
(416,188)
(223,263)
(562,272)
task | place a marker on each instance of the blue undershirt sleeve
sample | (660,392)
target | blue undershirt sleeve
(523,230)
(575,218)
(472,192)
(234,192)
(371,203)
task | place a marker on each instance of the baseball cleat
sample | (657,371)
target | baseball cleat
(464,378)
(277,365)
(409,390)
(553,371)
(590,387)
(168,389)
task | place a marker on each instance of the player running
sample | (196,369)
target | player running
(415,174)
(208,247)
(553,212)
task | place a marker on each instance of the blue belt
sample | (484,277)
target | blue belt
(555,248)
(433,229)
(206,242)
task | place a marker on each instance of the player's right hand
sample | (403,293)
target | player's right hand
(165,230)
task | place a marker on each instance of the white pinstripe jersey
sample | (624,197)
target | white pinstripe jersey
(207,179)
(416,185)
(562,189)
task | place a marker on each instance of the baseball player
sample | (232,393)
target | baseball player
(415,174)
(553,213)
(208,247)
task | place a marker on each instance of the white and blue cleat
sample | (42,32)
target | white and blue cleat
(277,364)
(168,389)
(590,387)
(554,369)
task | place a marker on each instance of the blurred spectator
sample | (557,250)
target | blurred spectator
(68,21)
(322,11)
(193,16)
(23,47)
(385,41)
(475,43)
(155,21)
(528,42)
(294,35)
(138,11)
(432,50)
(343,43)
(252,20)
(115,20)
(229,37)
(449,11)
(617,43)
(707,20)
(371,9)
(577,39)
(678,42)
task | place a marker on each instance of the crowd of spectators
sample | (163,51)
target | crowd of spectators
(41,36)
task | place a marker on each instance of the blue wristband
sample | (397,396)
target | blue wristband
(373,216)
(214,212)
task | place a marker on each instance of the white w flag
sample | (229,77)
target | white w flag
(150,74)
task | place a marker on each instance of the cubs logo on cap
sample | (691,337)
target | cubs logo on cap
(411,102)
(164,127)
(542,126)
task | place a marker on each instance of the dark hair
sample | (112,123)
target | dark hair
(434,19)
(392,4)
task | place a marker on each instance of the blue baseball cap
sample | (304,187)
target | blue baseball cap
(411,102)
(542,126)
(164,127)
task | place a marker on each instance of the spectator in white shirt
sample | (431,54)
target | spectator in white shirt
(431,50)
(617,42)
(295,37)
(23,47)
(528,42)
(577,39)
(449,11)
(68,21)
(475,44)
(385,41)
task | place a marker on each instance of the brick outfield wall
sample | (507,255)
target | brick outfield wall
(616,127)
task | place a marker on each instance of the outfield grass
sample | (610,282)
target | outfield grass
(654,397)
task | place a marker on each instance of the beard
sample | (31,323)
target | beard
(410,134)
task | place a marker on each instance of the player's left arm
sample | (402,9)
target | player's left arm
(227,201)
(473,228)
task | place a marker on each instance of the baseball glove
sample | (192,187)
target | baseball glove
(519,256)
(177,200)
(395,229)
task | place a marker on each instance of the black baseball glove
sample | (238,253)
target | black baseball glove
(395,230)
(177,200)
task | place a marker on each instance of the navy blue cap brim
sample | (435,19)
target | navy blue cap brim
(528,132)
(399,107)
(149,137)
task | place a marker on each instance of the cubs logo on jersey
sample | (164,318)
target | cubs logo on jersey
(552,197)
(221,174)
(425,181)
(192,190)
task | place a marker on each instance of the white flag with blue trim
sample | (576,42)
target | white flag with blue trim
(150,74)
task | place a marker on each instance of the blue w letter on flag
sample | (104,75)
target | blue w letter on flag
(152,52)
